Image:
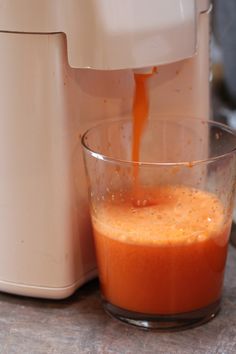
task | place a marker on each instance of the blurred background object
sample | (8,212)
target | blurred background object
(224,61)
(223,51)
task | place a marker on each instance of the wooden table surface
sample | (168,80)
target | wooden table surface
(79,325)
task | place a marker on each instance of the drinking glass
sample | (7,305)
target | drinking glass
(161,225)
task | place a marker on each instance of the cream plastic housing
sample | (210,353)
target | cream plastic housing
(111,34)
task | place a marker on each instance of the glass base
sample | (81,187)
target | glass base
(163,322)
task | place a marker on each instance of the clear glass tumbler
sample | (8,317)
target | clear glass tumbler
(161,226)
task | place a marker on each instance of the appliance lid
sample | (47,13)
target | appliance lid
(111,34)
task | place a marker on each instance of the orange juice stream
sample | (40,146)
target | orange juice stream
(140,115)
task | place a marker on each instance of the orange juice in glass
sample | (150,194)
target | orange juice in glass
(161,235)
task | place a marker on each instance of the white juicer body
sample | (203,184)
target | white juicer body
(48,98)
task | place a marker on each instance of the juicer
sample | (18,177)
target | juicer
(65,65)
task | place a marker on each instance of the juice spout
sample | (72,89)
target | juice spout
(145,71)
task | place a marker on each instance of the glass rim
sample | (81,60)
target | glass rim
(110,159)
